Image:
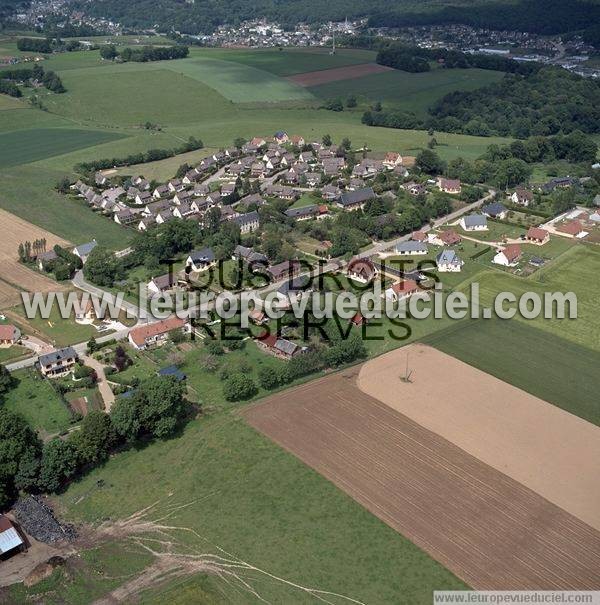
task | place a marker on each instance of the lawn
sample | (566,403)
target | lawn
(36,400)
(496,232)
(24,146)
(543,364)
(306,199)
(410,92)
(8,354)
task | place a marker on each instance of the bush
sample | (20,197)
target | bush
(238,387)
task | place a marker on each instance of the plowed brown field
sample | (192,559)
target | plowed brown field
(487,528)
(324,76)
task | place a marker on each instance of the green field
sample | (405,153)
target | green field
(37,402)
(407,91)
(25,146)
(545,365)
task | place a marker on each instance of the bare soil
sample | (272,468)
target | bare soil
(315,78)
(487,528)
(554,453)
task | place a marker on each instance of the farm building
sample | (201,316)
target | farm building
(448,261)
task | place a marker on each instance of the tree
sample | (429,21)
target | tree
(238,387)
(92,345)
(511,172)
(63,185)
(155,409)
(430,162)
(346,144)
(351,101)
(7,381)
(18,443)
(109,52)
(182,170)
(239,142)
(326,140)
(59,463)
(103,267)
(95,439)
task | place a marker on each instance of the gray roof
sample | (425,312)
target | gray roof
(286,346)
(357,197)
(244,219)
(249,255)
(475,220)
(448,257)
(302,211)
(206,255)
(57,355)
(494,209)
(84,249)
(411,246)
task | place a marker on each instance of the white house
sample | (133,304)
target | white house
(474,222)
(402,289)
(200,260)
(148,334)
(448,261)
(509,256)
(83,250)
(411,248)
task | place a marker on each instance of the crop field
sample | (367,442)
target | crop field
(15,277)
(289,61)
(490,530)
(24,146)
(240,83)
(325,76)
(551,368)
(411,92)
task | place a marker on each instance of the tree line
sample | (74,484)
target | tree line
(152,155)
(144,54)
(47,45)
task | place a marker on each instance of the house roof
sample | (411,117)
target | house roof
(248,218)
(302,211)
(206,255)
(411,246)
(475,220)
(278,270)
(357,197)
(9,538)
(58,355)
(419,236)
(84,249)
(512,252)
(571,227)
(449,237)
(163,282)
(7,332)
(494,209)
(450,183)
(140,334)
(448,257)
(537,233)
(405,286)
(286,346)
(363,267)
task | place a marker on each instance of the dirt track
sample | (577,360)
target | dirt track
(554,453)
(315,78)
(488,529)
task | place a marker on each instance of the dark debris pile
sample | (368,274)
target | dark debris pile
(38,520)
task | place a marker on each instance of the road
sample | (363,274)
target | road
(331,265)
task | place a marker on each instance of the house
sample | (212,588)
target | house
(125,217)
(100,179)
(522,197)
(10,540)
(448,261)
(228,189)
(155,333)
(44,259)
(86,314)
(449,185)
(83,250)
(143,198)
(538,236)
(200,260)
(411,248)
(495,210)
(313,179)
(297,141)
(160,191)
(572,229)
(352,200)
(57,363)
(445,238)
(248,222)
(284,270)
(559,182)
(358,319)
(254,199)
(361,270)
(368,168)
(474,222)
(278,346)
(402,289)
(413,188)
(392,159)
(509,256)
(160,284)
(419,236)
(113,194)
(146,223)
(303,212)
(331,193)
(9,335)
(257,317)
(281,137)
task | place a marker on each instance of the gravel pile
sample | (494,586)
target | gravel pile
(38,520)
